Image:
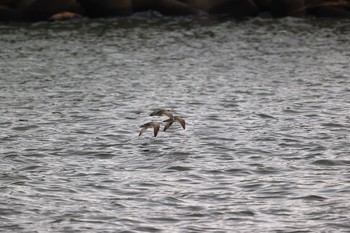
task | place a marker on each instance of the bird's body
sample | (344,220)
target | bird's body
(152,124)
(174,119)
(162,113)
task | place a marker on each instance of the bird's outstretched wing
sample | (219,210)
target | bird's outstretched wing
(167,125)
(181,121)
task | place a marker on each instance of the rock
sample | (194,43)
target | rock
(237,8)
(233,8)
(65,15)
(43,9)
(283,8)
(143,5)
(165,7)
(21,4)
(106,8)
(5,2)
(10,14)
(336,9)
(174,8)
(263,5)
(334,12)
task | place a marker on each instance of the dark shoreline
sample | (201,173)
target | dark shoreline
(56,10)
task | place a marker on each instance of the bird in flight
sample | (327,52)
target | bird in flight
(162,113)
(156,125)
(170,121)
(152,124)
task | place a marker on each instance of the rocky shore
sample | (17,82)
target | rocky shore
(41,10)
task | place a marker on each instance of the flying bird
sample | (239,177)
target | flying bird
(162,113)
(174,119)
(152,124)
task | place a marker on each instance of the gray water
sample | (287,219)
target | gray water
(266,146)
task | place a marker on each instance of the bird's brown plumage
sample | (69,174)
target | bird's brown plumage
(162,113)
(152,124)
(172,120)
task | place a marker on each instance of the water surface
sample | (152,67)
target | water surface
(266,145)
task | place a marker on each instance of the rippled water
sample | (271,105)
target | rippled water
(266,146)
